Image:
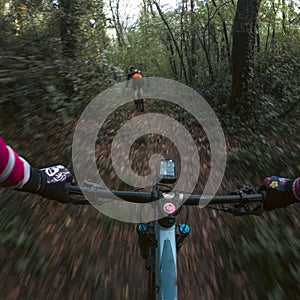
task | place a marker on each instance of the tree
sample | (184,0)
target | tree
(172,40)
(117,23)
(244,36)
(67,27)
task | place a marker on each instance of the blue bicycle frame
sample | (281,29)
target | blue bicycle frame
(161,258)
(165,263)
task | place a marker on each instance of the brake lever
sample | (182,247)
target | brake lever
(245,210)
(245,190)
(79,201)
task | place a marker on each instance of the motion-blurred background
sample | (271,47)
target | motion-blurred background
(241,56)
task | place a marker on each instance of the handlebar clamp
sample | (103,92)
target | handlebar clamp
(243,208)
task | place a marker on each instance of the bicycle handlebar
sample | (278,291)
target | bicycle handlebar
(147,197)
(195,199)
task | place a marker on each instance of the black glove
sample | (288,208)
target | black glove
(49,183)
(279,192)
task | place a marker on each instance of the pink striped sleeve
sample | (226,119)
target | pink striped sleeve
(4,156)
(14,170)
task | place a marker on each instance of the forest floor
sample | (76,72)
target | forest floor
(53,251)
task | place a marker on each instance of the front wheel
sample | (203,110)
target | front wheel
(151,285)
(151,273)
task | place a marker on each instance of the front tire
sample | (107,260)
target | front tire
(151,285)
(151,273)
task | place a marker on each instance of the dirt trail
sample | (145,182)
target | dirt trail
(54,251)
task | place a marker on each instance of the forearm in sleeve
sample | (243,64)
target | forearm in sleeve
(14,170)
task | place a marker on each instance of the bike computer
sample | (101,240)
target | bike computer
(166,171)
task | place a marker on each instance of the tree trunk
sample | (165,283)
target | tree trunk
(225,32)
(173,40)
(67,28)
(118,26)
(192,61)
(244,35)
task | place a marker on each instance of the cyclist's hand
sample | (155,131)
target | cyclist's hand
(279,192)
(49,183)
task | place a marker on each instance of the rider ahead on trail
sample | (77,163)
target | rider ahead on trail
(137,87)
(134,74)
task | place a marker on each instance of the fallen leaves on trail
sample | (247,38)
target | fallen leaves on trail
(54,251)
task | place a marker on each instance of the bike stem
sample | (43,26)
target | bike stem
(166,255)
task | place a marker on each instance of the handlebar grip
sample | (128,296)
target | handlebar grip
(264,194)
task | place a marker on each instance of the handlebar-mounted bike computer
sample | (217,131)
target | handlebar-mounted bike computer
(167,171)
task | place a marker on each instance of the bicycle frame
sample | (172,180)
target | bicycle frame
(165,262)
(161,256)
(164,283)
(165,272)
